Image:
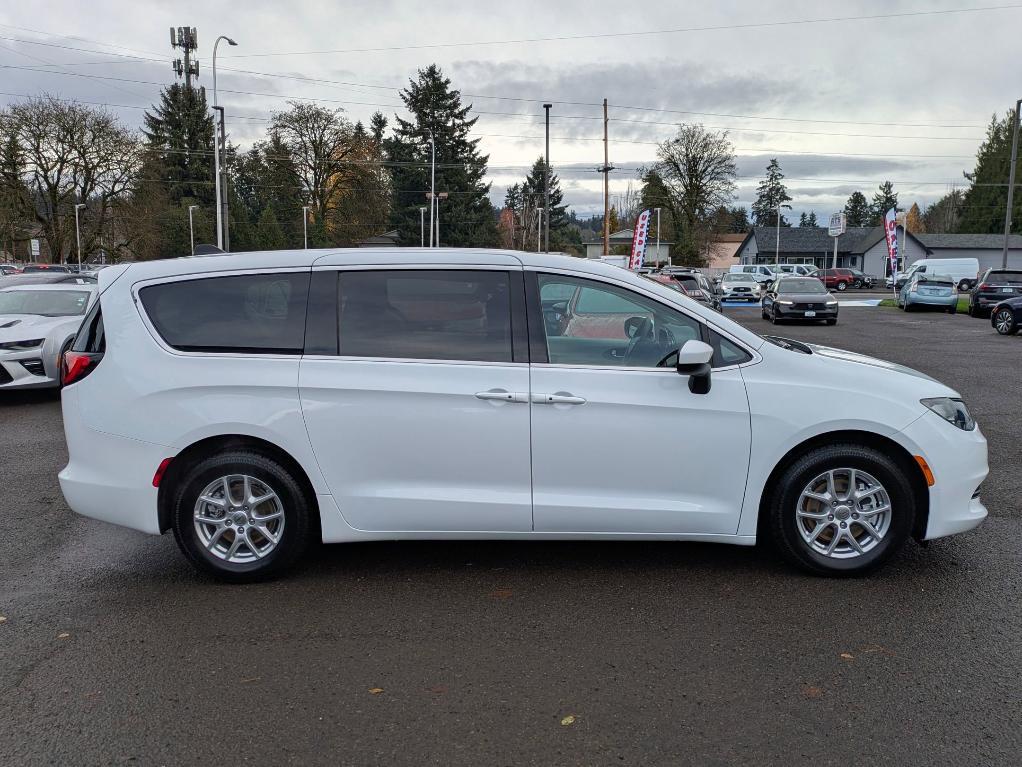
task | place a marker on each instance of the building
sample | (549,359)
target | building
(385,240)
(622,239)
(988,249)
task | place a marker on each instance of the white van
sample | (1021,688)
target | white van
(799,270)
(761,272)
(964,271)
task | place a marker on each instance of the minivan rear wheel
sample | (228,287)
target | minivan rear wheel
(841,510)
(241,517)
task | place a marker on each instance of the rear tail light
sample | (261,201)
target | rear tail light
(983,286)
(76,365)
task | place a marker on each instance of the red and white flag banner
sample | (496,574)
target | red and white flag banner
(639,239)
(891,232)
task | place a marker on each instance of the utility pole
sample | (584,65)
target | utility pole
(539,225)
(777,247)
(422,226)
(432,186)
(605,170)
(546,182)
(191,227)
(305,225)
(187,39)
(78,234)
(1011,185)
(657,237)
(440,196)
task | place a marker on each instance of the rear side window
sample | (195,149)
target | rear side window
(253,313)
(425,314)
(91,338)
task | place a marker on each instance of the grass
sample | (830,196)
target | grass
(963,303)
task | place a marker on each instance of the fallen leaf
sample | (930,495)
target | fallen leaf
(502,594)
(3,619)
(568,720)
(847,655)
(250,679)
(812,692)
(63,635)
(375,690)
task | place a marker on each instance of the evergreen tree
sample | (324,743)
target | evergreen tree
(466,216)
(771,194)
(179,133)
(884,199)
(271,236)
(377,125)
(857,211)
(803,220)
(561,232)
(945,214)
(985,201)
(811,220)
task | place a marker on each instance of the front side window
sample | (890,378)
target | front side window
(604,325)
(252,313)
(461,315)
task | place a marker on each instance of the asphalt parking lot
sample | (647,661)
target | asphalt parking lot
(113,650)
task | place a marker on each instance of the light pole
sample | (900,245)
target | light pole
(1011,185)
(432,191)
(78,234)
(422,226)
(439,197)
(305,225)
(657,236)
(216,151)
(546,181)
(191,227)
(777,245)
(539,225)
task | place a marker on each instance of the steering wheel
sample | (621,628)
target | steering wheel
(647,338)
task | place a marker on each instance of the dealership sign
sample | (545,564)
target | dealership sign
(838,224)
(639,239)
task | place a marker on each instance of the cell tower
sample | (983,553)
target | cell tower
(186,38)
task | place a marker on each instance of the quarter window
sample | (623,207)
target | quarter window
(426,314)
(254,313)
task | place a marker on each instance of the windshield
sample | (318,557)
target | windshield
(740,277)
(801,285)
(48,303)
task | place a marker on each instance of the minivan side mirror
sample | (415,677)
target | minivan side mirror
(694,361)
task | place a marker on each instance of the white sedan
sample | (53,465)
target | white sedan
(37,324)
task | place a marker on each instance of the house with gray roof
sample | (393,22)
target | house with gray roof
(988,249)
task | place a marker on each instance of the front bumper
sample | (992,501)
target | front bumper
(793,313)
(750,296)
(958,460)
(29,369)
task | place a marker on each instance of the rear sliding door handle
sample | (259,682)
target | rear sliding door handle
(558,399)
(502,395)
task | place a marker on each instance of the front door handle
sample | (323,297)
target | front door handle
(503,395)
(558,399)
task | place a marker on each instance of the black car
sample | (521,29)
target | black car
(1006,317)
(799,298)
(994,286)
(862,280)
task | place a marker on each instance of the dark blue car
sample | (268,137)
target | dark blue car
(1006,317)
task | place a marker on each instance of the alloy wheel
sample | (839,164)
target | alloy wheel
(239,518)
(843,513)
(1003,322)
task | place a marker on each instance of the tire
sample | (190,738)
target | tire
(295,530)
(972,310)
(1004,322)
(787,529)
(842,286)
(773,318)
(832,322)
(857,284)
(952,310)
(964,285)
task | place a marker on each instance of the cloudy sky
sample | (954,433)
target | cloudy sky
(843,104)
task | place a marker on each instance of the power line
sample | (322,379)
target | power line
(643,33)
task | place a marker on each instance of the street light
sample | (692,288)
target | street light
(539,225)
(432,191)
(216,152)
(191,227)
(78,234)
(1011,185)
(422,226)
(777,246)
(305,225)
(440,196)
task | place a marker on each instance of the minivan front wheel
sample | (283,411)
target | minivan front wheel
(241,516)
(841,510)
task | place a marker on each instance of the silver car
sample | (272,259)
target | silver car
(37,324)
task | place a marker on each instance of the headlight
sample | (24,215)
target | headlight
(20,346)
(784,302)
(951,410)
(831,302)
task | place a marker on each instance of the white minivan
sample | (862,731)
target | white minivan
(257,403)
(963,271)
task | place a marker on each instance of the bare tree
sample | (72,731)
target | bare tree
(694,176)
(68,154)
(322,146)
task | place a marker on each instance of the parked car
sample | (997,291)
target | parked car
(861,279)
(838,279)
(31,268)
(799,298)
(800,270)
(934,290)
(693,284)
(1006,317)
(994,286)
(37,324)
(739,286)
(963,271)
(6,269)
(255,403)
(761,272)
(46,278)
